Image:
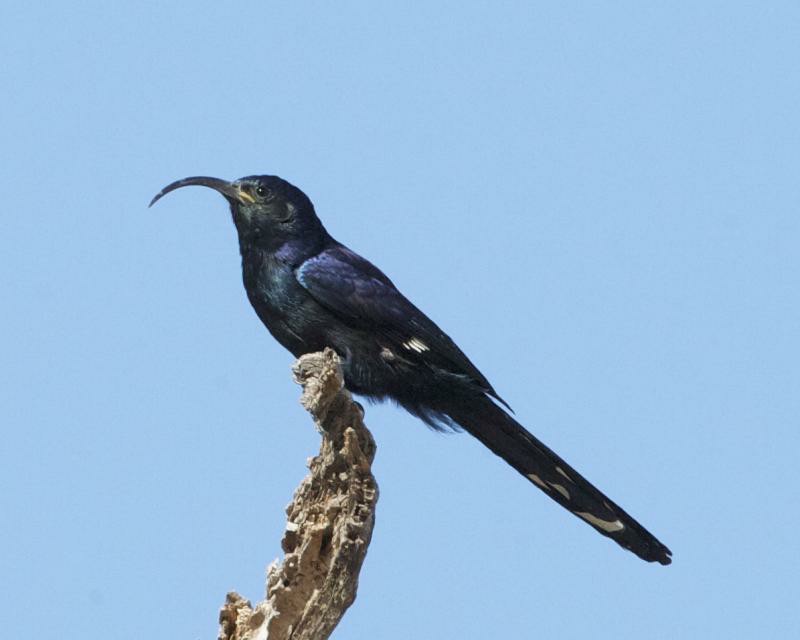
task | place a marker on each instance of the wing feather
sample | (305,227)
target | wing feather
(361,294)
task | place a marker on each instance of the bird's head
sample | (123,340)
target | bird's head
(267,210)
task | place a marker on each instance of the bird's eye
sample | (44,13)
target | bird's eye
(261,190)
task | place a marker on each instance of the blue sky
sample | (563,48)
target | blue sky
(597,202)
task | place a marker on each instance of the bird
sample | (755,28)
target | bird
(312,292)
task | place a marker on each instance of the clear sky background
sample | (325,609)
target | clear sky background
(599,202)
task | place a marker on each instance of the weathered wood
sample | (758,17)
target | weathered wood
(329,521)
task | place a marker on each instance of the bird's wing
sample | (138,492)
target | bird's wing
(360,294)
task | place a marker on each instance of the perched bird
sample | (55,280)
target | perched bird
(312,292)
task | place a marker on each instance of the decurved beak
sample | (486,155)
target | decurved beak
(231,190)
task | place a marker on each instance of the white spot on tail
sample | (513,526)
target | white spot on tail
(605,525)
(415,344)
(564,473)
(561,489)
(538,481)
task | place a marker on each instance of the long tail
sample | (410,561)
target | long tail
(539,464)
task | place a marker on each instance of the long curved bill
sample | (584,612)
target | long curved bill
(231,190)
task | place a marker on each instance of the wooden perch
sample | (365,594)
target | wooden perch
(329,524)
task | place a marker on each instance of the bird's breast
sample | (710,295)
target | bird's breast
(281,303)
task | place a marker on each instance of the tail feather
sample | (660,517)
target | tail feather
(545,469)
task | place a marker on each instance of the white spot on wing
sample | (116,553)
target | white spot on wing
(605,525)
(415,344)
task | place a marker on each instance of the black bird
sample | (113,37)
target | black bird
(312,292)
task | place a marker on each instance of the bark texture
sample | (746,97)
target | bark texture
(329,521)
